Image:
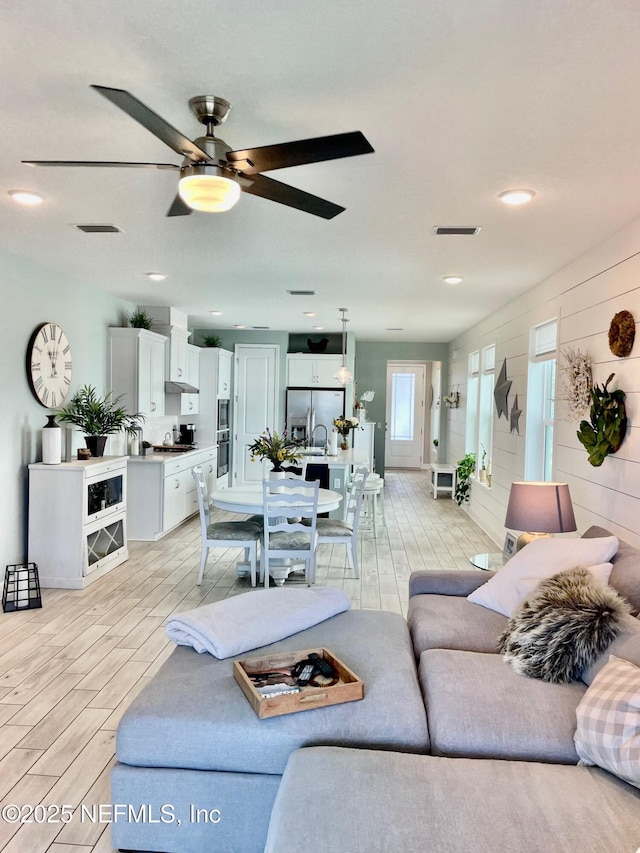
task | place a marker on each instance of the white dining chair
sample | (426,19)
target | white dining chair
(224,534)
(335,531)
(290,515)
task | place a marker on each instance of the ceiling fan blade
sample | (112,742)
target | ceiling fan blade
(153,123)
(98,164)
(250,161)
(179,208)
(292,197)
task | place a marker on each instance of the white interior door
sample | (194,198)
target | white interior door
(404,443)
(256,405)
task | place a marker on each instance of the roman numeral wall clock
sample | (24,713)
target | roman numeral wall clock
(49,365)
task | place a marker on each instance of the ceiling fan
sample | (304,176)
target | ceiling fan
(212,175)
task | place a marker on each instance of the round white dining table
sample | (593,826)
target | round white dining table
(248,499)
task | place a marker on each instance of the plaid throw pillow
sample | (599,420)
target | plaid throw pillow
(608,732)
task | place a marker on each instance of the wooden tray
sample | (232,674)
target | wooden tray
(349,689)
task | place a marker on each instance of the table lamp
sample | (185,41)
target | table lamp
(541,509)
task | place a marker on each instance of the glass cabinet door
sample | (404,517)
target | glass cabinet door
(103,542)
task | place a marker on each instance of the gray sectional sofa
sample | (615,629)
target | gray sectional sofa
(449,751)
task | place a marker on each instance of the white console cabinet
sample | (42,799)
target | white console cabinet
(162,491)
(77,520)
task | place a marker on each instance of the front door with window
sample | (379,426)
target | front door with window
(404,444)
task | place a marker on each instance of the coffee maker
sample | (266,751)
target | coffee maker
(187,434)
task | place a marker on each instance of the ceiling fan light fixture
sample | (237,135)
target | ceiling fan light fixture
(209,193)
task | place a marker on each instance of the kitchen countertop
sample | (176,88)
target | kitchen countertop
(160,457)
(343,458)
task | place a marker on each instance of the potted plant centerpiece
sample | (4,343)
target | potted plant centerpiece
(276,448)
(344,427)
(98,417)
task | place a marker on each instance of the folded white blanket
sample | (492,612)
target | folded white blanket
(248,621)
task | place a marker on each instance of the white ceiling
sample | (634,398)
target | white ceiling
(460,99)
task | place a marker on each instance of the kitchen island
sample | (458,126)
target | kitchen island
(161,490)
(339,467)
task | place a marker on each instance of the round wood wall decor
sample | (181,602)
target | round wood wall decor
(622,331)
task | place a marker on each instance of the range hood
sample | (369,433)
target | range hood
(179,388)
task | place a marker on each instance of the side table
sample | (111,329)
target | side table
(487,562)
(443,479)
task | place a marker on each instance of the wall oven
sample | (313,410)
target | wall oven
(223,453)
(223,414)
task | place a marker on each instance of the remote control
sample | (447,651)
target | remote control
(323,666)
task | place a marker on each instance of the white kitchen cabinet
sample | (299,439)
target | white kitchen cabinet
(136,369)
(161,491)
(177,355)
(307,371)
(190,403)
(77,520)
(224,374)
(211,358)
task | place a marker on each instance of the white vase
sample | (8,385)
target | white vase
(51,442)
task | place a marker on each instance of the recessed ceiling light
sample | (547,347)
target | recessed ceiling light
(452,279)
(240,327)
(309,313)
(25,197)
(318,328)
(216,313)
(156,276)
(516,197)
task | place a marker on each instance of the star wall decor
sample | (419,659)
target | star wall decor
(501,391)
(515,416)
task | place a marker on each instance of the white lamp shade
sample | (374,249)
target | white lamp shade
(540,508)
(209,193)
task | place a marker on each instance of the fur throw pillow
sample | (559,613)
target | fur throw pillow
(562,627)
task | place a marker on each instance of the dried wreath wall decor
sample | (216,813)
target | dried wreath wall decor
(622,332)
(575,389)
(605,431)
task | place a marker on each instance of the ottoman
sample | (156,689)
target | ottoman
(197,770)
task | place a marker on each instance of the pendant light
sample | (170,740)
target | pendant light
(343,375)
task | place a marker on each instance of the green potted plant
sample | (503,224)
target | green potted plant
(274,447)
(98,417)
(212,341)
(466,467)
(482,474)
(140,320)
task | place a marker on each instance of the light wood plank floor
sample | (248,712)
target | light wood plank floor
(69,670)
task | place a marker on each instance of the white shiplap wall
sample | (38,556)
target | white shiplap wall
(584,296)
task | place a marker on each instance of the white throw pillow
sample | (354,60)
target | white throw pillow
(608,721)
(539,560)
(235,625)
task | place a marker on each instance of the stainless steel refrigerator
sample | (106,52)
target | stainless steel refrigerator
(307,408)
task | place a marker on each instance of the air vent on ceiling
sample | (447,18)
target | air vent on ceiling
(301,292)
(99,229)
(462,231)
(261,327)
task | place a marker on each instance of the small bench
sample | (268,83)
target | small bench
(191,740)
(443,479)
